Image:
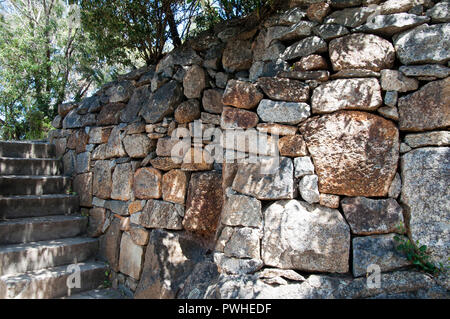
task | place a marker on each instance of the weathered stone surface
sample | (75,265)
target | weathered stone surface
(187,112)
(102,183)
(237,56)
(82,185)
(439,138)
(297,31)
(122,180)
(287,18)
(117,207)
(182,57)
(69,160)
(57,122)
(169,259)
(162,102)
(361,51)
(330,31)
(283,112)
(231,265)
(390,24)
(397,6)
(233,118)
(305,47)
(272,273)
(351,17)
(292,146)
(113,148)
(288,229)
(174,186)
(78,141)
(161,214)
(138,145)
(74,120)
(321,76)
(147,183)
(171,147)
(277,129)
(345,3)
(345,161)
(440,12)
(212,101)
(396,187)
(425,194)
(110,245)
(208,118)
(99,135)
(389,112)
(355,73)
(83,163)
(428,70)
(200,277)
(318,11)
(110,114)
(241,94)
(327,200)
(241,242)
(284,89)
(391,98)
(379,250)
(436,38)
(165,163)
(311,62)
(303,166)
(392,80)
(138,100)
(252,180)
(65,108)
(118,92)
(362,94)
(370,216)
(204,203)
(97,219)
(309,189)
(426,109)
(241,210)
(139,236)
(131,257)
(194,82)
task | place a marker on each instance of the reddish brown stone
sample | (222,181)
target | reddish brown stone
(147,183)
(65,108)
(355,153)
(97,218)
(241,94)
(292,146)
(110,244)
(318,11)
(204,203)
(277,129)
(284,89)
(165,163)
(78,141)
(135,207)
(237,56)
(110,114)
(311,62)
(99,135)
(233,118)
(197,159)
(187,111)
(426,109)
(122,180)
(194,82)
(102,183)
(174,186)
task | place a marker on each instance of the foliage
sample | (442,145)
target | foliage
(416,253)
(45,59)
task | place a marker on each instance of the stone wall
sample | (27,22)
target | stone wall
(351,101)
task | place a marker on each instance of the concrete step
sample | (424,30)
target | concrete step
(34,185)
(27,149)
(52,282)
(20,258)
(98,294)
(29,166)
(26,230)
(37,206)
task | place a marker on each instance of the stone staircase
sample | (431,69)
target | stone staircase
(40,231)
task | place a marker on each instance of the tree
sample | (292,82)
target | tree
(45,59)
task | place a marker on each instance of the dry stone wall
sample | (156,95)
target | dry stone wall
(274,160)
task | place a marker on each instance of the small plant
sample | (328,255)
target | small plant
(69,191)
(417,253)
(107,282)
